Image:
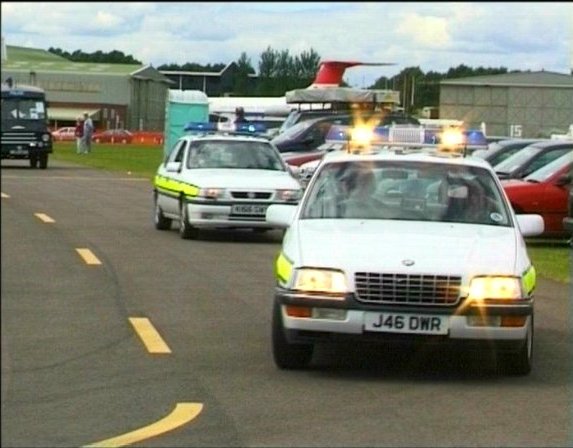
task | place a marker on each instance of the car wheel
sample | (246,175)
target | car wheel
(33,161)
(161,222)
(520,362)
(186,231)
(43,161)
(287,355)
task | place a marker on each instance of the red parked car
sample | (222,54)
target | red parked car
(113,136)
(544,192)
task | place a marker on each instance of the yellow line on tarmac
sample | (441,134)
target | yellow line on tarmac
(149,335)
(182,414)
(88,256)
(4,195)
(44,217)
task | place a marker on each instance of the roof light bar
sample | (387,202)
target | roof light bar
(223,128)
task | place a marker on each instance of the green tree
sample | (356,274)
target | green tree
(241,85)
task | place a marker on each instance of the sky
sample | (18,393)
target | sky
(434,36)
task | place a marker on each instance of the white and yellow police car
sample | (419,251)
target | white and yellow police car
(394,245)
(215,179)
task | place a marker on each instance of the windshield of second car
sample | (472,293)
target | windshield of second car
(412,191)
(516,160)
(294,131)
(545,172)
(234,154)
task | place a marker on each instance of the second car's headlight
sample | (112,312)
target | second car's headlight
(320,280)
(495,288)
(288,195)
(211,193)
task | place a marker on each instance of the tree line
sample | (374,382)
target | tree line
(280,71)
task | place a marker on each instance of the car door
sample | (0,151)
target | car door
(553,201)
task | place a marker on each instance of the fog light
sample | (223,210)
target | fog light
(513,321)
(298,311)
(328,313)
(484,321)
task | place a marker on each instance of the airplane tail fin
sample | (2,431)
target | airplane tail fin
(330,73)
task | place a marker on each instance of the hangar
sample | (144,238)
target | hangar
(115,95)
(524,104)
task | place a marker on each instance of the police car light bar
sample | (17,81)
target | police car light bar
(223,128)
(407,136)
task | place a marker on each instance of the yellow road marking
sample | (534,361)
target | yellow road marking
(44,217)
(182,414)
(149,335)
(88,256)
(4,195)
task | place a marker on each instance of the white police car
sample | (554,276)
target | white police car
(221,180)
(392,245)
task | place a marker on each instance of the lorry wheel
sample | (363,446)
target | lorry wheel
(287,355)
(43,161)
(33,161)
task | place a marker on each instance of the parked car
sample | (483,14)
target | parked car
(113,136)
(497,152)
(300,143)
(66,133)
(544,192)
(568,220)
(531,158)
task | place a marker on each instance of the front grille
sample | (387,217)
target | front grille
(18,138)
(407,289)
(251,194)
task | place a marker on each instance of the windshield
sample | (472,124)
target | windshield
(411,191)
(294,131)
(23,109)
(547,171)
(516,160)
(234,154)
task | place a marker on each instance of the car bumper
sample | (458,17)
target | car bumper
(351,316)
(24,151)
(206,215)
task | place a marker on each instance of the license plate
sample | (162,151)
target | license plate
(406,323)
(248,209)
(18,151)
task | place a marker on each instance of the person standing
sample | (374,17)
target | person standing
(79,133)
(88,133)
(240,116)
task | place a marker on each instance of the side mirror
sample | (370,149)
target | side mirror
(173,167)
(530,225)
(563,180)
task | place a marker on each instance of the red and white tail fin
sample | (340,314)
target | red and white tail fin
(330,72)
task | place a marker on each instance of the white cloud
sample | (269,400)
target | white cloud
(432,35)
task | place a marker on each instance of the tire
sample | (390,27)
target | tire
(286,355)
(43,161)
(161,222)
(186,231)
(33,161)
(519,363)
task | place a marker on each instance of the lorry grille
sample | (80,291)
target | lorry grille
(18,138)
(407,289)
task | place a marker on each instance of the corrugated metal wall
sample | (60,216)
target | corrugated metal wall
(147,108)
(508,111)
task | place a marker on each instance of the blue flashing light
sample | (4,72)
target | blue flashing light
(250,128)
(337,133)
(475,138)
(196,126)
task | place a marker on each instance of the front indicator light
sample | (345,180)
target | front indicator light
(298,311)
(482,288)
(320,280)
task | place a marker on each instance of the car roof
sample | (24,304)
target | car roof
(518,141)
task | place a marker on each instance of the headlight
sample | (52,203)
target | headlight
(211,193)
(288,195)
(320,280)
(46,137)
(495,288)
